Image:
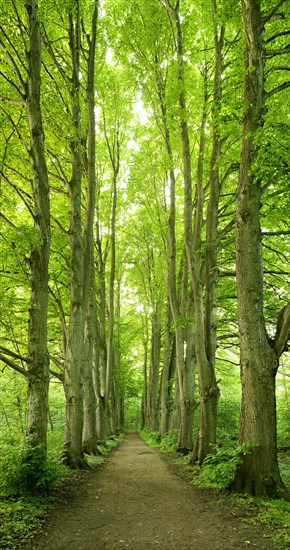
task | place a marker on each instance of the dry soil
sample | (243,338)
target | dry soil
(138,501)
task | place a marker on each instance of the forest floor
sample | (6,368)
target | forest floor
(140,501)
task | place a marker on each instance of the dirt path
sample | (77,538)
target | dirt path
(135,501)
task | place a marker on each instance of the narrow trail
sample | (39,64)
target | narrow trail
(135,501)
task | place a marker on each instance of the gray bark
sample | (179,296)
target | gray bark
(258,473)
(166,379)
(73,452)
(153,382)
(38,358)
(89,434)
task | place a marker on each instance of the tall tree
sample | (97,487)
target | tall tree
(258,473)
(38,359)
(28,86)
(89,362)
(74,348)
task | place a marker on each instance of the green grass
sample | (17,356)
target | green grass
(273,513)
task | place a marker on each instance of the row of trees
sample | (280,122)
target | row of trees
(144,117)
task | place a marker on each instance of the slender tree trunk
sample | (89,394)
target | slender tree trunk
(153,382)
(38,358)
(89,392)
(206,436)
(258,472)
(166,380)
(111,319)
(102,418)
(212,222)
(144,409)
(117,365)
(175,419)
(186,390)
(73,452)
(89,435)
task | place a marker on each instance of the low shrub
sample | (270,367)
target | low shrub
(219,467)
(152,438)
(27,471)
(169,441)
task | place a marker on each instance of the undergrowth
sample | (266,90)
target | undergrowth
(29,483)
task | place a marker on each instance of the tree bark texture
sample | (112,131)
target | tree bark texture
(258,474)
(153,382)
(73,451)
(38,358)
(89,435)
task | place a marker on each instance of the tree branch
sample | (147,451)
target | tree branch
(277,35)
(272,13)
(13,365)
(8,222)
(19,102)
(282,331)
(273,53)
(268,233)
(277,89)
(277,68)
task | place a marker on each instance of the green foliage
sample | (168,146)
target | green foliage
(219,467)
(169,442)
(273,513)
(27,471)
(276,514)
(106,445)
(152,438)
(284,467)
(19,519)
(228,421)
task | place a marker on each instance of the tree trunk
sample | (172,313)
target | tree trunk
(209,392)
(175,419)
(102,419)
(73,452)
(89,395)
(144,408)
(166,380)
(153,382)
(111,319)
(185,376)
(89,435)
(38,358)
(258,473)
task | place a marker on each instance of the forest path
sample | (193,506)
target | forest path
(135,501)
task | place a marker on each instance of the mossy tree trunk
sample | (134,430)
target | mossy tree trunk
(258,473)
(38,358)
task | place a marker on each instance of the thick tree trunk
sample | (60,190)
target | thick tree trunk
(38,358)
(258,473)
